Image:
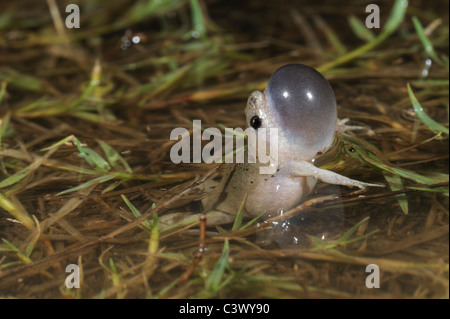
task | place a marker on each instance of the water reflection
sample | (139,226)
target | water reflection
(296,232)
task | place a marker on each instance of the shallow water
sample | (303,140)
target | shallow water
(171,78)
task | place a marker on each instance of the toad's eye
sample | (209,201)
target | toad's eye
(255,122)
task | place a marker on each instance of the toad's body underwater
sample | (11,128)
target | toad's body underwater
(300,103)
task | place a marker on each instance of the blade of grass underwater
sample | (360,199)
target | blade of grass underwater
(24,81)
(209,94)
(94,82)
(331,36)
(429,49)
(395,183)
(160,84)
(360,29)
(64,141)
(237,225)
(164,290)
(191,75)
(214,282)
(113,186)
(92,157)
(4,125)
(112,270)
(249,223)
(97,180)
(17,211)
(146,223)
(116,279)
(145,9)
(442,190)
(429,122)
(238,220)
(2,91)
(394,20)
(93,117)
(6,19)
(43,107)
(153,243)
(343,240)
(30,247)
(19,254)
(198,22)
(350,232)
(114,158)
(19,175)
(208,65)
(369,158)
(430,83)
(11,248)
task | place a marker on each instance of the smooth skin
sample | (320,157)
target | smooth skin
(300,102)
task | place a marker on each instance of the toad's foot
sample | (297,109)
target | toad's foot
(303,168)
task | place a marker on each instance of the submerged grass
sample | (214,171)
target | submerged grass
(85,119)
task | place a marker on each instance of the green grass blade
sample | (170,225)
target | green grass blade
(213,283)
(64,141)
(21,80)
(429,49)
(238,220)
(395,17)
(153,243)
(92,157)
(146,223)
(145,9)
(97,180)
(161,83)
(20,255)
(2,91)
(330,34)
(394,20)
(360,29)
(114,158)
(395,183)
(198,22)
(11,180)
(442,190)
(252,221)
(373,160)
(350,232)
(429,122)
(5,128)
(17,211)
(349,241)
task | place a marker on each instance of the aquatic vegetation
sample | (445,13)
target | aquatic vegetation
(85,119)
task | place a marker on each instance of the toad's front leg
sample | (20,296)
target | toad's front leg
(304,168)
